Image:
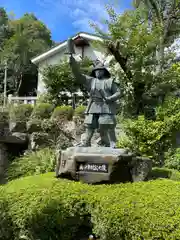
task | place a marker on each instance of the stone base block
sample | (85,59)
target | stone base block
(101,164)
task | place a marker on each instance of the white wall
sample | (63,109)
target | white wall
(89,52)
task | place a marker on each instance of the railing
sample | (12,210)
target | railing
(23,100)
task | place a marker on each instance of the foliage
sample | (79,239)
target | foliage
(144,136)
(132,41)
(150,138)
(167,14)
(164,173)
(44,98)
(32,163)
(42,110)
(20,112)
(58,136)
(4,117)
(28,37)
(143,210)
(170,107)
(63,113)
(173,159)
(79,111)
(59,79)
(34,125)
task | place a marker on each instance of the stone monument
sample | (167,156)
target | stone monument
(103,163)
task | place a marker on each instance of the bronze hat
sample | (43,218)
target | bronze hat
(99,66)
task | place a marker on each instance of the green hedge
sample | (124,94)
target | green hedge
(21,112)
(63,113)
(164,173)
(42,110)
(43,207)
(79,111)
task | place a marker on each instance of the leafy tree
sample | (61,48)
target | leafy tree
(166,14)
(59,78)
(30,37)
(5,31)
(133,42)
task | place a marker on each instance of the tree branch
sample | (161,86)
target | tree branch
(114,50)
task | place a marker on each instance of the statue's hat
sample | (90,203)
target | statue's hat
(97,66)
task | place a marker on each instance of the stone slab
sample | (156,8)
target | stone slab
(101,164)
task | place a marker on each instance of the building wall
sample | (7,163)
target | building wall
(89,52)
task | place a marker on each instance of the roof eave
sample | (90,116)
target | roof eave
(56,49)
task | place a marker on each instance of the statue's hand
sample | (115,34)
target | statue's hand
(108,100)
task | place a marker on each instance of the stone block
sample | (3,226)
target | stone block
(39,140)
(100,164)
(19,126)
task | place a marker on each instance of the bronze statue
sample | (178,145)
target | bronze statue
(101,109)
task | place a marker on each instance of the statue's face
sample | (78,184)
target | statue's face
(100,73)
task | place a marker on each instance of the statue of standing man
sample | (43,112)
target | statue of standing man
(101,109)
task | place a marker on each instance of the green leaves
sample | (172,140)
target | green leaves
(59,78)
(144,210)
(28,38)
(137,42)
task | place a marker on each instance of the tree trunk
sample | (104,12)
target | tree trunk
(160,55)
(19,84)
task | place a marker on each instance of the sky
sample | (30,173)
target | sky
(65,18)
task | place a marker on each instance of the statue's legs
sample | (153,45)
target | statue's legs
(88,136)
(91,122)
(104,136)
(107,123)
(112,136)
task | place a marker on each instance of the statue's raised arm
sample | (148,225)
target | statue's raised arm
(81,78)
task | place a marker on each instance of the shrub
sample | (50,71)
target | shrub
(164,173)
(32,163)
(45,208)
(144,137)
(34,125)
(173,160)
(44,98)
(63,113)
(42,111)
(42,207)
(79,111)
(21,112)
(58,137)
(40,140)
(4,118)
(150,138)
(171,106)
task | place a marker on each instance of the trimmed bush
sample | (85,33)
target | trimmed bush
(42,111)
(164,173)
(42,207)
(79,111)
(63,113)
(21,112)
(32,163)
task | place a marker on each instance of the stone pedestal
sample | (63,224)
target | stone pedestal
(101,164)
